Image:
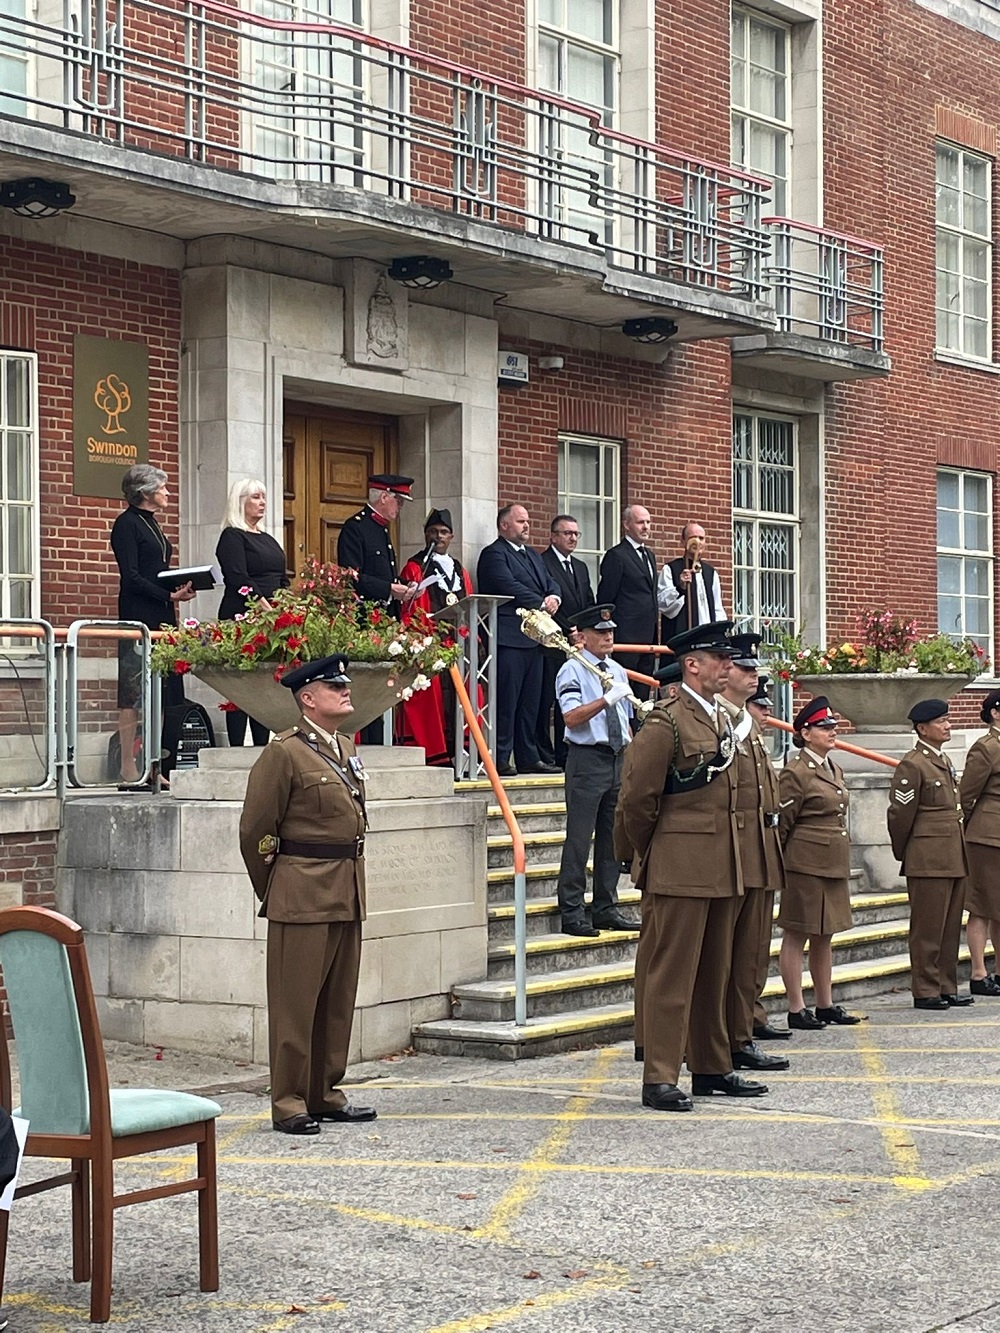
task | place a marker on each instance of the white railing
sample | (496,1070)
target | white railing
(826,285)
(328,104)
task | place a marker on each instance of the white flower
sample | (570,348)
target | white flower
(395,648)
(439,665)
(950,667)
(428,641)
(190,623)
(245,591)
(406,693)
(240,616)
(422,683)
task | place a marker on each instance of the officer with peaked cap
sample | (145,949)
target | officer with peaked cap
(816,899)
(678,804)
(597,716)
(760,859)
(365,544)
(302,837)
(925,825)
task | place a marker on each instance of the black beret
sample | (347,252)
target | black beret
(991,701)
(928,710)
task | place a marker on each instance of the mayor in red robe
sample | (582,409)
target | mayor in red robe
(428,718)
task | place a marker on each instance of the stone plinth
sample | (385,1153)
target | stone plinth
(871,851)
(176,948)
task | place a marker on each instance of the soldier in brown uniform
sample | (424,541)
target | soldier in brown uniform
(816,900)
(302,836)
(678,800)
(925,826)
(980,793)
(760,859)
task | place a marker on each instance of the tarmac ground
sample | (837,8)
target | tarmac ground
(860,1196)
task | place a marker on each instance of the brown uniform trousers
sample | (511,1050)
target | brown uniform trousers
(980,796)
(925,826)
(689,872)
(763,873)
(314,908)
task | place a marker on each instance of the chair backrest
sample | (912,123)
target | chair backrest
(44,993)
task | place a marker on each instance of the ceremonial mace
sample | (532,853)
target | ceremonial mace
(540,626)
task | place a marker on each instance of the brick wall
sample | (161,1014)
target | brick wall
(27,868)
(48,295)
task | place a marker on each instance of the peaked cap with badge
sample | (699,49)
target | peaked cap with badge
(391,481)
(671,674)
(595,617)
(762,698)
(364,543)
(747,649)
(715,637)
(816,713)
(332,669)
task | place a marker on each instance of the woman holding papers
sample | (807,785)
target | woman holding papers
(142,552)
(252,564)
(428,718)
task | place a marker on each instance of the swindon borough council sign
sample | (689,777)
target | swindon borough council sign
(110,413)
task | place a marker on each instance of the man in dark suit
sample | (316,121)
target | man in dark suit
(628,578)
(573,578)
(509,567)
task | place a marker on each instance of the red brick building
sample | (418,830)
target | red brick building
(800,195)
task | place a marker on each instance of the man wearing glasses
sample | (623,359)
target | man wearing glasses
(573,578)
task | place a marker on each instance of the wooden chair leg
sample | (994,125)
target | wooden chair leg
(208,1212)
(4,1225)
(102,1195)
(81,1220)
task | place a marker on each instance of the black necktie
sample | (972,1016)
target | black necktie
(571,571)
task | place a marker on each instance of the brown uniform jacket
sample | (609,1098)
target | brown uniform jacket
(686,841)
(925,816)
(812,819)
(756,809)
(294,793)
(980,790)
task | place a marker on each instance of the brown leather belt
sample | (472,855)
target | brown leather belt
(323,851)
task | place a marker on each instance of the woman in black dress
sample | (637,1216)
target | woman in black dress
(252,564)
(142,552)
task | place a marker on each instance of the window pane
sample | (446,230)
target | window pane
(17,485)
(977,536)
(950,615)
(976,339)
(585,81)
(550,12)
(19,540)
(548,64)
(948,529)
(583,470)
(975,493)
(977,578)
(17,387)
(949,575)
(947,166)
(589,18)
(20,598)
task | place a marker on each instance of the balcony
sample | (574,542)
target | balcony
(198,118)
(827,290)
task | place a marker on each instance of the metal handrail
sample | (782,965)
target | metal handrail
(191,81)
(827,284)
(517,838)
(40,629)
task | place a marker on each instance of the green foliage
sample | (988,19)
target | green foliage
(885,643)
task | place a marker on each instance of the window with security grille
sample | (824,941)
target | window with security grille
(761,100)
(965,556)
(765,523)
(308,92)
(964,265)
(589,489)
(19,538)
(578,59)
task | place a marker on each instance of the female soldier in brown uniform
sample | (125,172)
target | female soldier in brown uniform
(815,902)
(980,796)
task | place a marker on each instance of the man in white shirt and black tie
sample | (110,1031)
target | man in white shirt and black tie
(628,579)
(688,591)
(573,578)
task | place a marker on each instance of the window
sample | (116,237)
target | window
(765,523)
(964,252)
(313,89)
(965,556)
(19,540)
(13,65)
(578,58)
(761,101)
(589,487)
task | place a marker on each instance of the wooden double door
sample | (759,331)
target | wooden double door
(328,459)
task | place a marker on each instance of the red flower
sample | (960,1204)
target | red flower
(248,650)
(228,708)
(375,618)
(279,671)
(463,631)
(293,641)
(447,643)
(181,667)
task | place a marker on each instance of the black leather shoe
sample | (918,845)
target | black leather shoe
(765,1032)
(542,767)
(297,1124)
(805,1020)
(730,1085)
(640,1054)
(838,1014)
(506,771)
(616,922)
(583,928)
(349,1114)
(957,1001)
(930,1002)
(665,1097)
(987,985)
(750,1056)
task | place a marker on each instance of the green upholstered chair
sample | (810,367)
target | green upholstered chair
(72,1112)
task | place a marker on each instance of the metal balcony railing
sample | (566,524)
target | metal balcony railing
(328,104)
(825,284)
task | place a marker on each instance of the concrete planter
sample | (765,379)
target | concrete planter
(878,701)
(375,686)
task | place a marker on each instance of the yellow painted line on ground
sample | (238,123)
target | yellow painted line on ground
(517,1198)
(902,1153)
(346,1209)
(547,1300)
